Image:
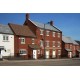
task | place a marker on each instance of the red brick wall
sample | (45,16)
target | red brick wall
(18,45)
(50,38)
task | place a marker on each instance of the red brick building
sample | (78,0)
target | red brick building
(78,50)
(49,38)
(22,40)
(69,47)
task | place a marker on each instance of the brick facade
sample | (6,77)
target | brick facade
(49,38)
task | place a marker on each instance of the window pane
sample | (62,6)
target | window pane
(53,43)
(5,37)
(47,33)
(58,34)
(53,34)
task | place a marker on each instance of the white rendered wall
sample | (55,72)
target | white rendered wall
(8,45)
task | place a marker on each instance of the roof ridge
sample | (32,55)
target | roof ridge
(48,26)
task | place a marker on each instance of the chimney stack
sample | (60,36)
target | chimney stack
(27,16)
(51,23)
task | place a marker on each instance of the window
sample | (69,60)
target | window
(22,40)
(70,46)
(41,32)
(41,43)
(53,34)
(53,43)
(47,33)
(47,43)
(32,40)
(59,43)
(5,37)
(59,52)
(22,51)
(58,35)
(38,51)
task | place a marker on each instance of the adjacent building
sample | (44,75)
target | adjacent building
(22,40)
(6,41)
(78,50)
(69,47)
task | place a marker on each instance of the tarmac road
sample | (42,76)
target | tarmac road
(45,62)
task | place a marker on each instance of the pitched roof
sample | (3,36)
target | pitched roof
(69,40)
(74,42)
(66,39)
(47,26)
(78,42)
(5,29)
(21,30)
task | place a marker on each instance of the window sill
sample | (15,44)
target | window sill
(5,41)
(47,35)
(23,54)
(33,43)
(22,43)
(41,34)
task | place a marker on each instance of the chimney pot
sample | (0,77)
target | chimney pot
(27,16)
(51,23)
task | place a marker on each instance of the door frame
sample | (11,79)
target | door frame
(47,56)
(34,54)
(54,56)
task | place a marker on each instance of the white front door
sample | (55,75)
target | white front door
(34,54)
(47,54)
(54,54)
(70,54)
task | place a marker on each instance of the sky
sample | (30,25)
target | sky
(68,23)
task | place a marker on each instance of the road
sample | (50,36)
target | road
(45,62)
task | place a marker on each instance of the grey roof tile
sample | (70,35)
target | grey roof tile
(47,26)
(5,29)
(69,40)
(66,39)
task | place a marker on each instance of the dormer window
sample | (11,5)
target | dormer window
(47,33)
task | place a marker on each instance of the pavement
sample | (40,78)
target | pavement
(42,62)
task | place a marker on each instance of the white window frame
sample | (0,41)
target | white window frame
(54,34)
(59,43)
(33,41)
(23,50)
(59,35)
(41,31)
(54,43)
(47,33)
(22,38)
(47,43)
(41,43)
(5,38)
